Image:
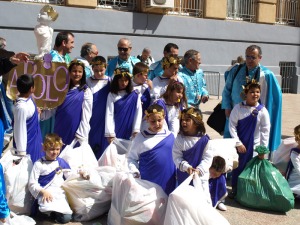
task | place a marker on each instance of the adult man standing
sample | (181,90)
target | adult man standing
(146,57)
(193,78)
(123,60)
(156,69)
(64,43)
(271,95)
(87,53)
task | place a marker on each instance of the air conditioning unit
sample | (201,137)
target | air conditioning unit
(159,3)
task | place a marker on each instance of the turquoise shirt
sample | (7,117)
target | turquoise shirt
(155,70)
(119,63)
(60,58)
(195,85)
(4,210)
(231,97)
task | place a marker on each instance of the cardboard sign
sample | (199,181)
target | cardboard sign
(51,81)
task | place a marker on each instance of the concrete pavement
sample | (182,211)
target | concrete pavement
(237,214)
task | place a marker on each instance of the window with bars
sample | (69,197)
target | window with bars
(287,72)
(241,10)
(193,8)
(287,11)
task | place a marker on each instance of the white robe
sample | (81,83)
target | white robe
(23,110)
(294,179)
(59,202)
(109,116)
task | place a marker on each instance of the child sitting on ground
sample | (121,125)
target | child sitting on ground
(217,182)
(293,170)
(47,176)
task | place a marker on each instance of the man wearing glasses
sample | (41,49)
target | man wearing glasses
(87,53)
(124,59)
(271,95)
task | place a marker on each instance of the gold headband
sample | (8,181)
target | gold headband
(168,61)
(119,72)
(191,112)
(75,61)
(154,111)
(99,63)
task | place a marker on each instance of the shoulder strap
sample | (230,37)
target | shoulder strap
(236,72)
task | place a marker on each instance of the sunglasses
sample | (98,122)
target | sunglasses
(251,57)
(122,49)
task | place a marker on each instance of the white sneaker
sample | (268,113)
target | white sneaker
(222,207)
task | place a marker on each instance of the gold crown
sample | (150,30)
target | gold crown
(154,111)
(248,83)
(119,72)
(191,112)
(50,11)
(169,60)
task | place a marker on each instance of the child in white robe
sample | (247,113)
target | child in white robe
(173,101)
(99,84)
(46,179)
(123,108)
(150,155)
(76,110)
(293,172)
(170,65)
(192,152)
(27,137)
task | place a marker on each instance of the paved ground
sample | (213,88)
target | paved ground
(237,214)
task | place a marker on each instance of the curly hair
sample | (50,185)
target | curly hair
(52,140)
(297,133)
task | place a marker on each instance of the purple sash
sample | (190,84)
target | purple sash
(245,131)
(145,99)
(97,140)
(124,114)
(290,166)
(34,137)
(68,115)
(193,156)
(157,166)
(217,189)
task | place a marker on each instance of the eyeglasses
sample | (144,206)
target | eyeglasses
(120,49)
(251,57)
(95,53)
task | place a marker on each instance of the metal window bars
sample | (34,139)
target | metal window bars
(287,11)
(192,8)
(241,10)
(213,80)
(118,4)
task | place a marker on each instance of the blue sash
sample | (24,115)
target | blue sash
(157,166)
(193,156)
(124,114)
(245,131)
(146,100)
(290,166)
(4,210)
(45,179)
(68,115)
(34,137)
(97,140)
(217,189)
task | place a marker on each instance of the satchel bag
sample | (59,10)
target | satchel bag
(217,119)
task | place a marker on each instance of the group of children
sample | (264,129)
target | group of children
(169,140)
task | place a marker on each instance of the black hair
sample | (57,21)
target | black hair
(83,78)
(114,86)
(62,36)
(199,123)
(218,164)
(168,47)
(24,83)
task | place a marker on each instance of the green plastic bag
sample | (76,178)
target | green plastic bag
(262,186)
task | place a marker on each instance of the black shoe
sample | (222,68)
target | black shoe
(233,192)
